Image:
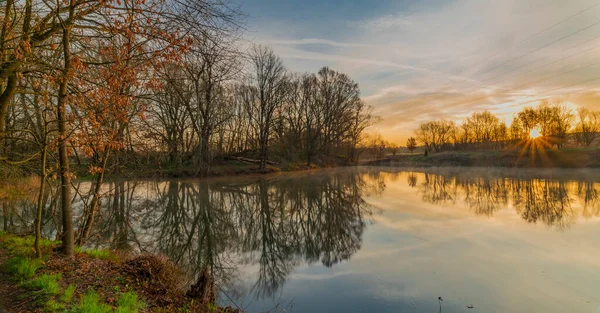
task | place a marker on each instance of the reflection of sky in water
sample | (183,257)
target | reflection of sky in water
(415,251)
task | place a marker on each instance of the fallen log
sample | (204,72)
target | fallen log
(254,161)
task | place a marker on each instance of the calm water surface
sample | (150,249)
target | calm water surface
(369,240)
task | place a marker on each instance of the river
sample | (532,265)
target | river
(367,239)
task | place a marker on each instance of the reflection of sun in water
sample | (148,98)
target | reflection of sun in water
(534,133)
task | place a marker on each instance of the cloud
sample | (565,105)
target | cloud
(386,22)
(313,41)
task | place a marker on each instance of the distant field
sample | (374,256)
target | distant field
(542,158)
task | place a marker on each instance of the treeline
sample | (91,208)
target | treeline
(103,84)
(552,124)
(205,112)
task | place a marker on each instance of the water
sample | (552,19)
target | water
(369,239)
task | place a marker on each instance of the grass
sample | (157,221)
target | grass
(212,308)
(90,303)
(97,253)
(46,283)
(55,283)
(24,245)
(514,157)
(100,254)
(21,267)
(67,296)
(53,306)
(129,303)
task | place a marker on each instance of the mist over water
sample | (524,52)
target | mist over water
(366,239)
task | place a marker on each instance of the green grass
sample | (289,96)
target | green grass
(100,254)
(97,253)
(90,303)
(21,267)
(24,245)
(48,284)
(53,306)
(212,308)
(129,303)
(67,296)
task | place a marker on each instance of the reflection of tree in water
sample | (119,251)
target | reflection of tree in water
(412,180)
(312,219)
(544,201)
(275,224)
(589,197)
(438,189)
(484,195)
(535,200)
(193,227)
(18,213)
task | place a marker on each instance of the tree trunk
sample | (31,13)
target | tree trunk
(68,247)
(263,152)
(5,99)
(94,205)
(40,202)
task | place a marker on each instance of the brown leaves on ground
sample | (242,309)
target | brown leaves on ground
(154,278)
(158,278)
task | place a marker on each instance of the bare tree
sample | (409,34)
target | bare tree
(264,93)
(587,127)
(411,144)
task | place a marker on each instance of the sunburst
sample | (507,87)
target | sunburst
(534,134)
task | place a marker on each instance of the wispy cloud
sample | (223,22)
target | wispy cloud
(314,41)
(387,22)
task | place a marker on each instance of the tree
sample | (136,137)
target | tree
(528,120)
(482,127)
(68,238)
(264,94)
(587,127)
(208,67)
(435,134)
(411,144)
(516,132)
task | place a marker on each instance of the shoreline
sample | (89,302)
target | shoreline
(94,281)
(227,170)
(508,158)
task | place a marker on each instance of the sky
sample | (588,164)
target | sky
(416,61)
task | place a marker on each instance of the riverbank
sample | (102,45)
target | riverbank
(91,281)
(223,168)
(538,158)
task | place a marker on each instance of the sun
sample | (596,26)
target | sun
(534,133)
